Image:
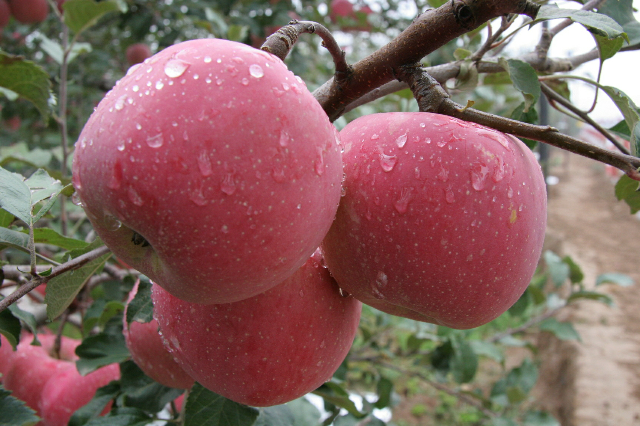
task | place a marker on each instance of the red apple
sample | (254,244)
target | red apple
(266,350)
(67,391)
(148,352)
(29,11)
(137,53)
(5,13)
(342,8)
(442,220)
(6,354)
(211,169)
(31,367)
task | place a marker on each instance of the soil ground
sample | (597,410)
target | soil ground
(595,382)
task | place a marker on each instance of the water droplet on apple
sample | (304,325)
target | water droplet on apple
(204,164)
(375,137)
(284,138)
(442,142)
(120,146)
(401,140)
(174,68)
(232,70)
(111,223)
(155,141)
(245,81)
(256,71)
(75,199)
(277,173)
(135,88)
(479,173)
(138,126)
(319,163)
(499,171)
(224,229)
(449,196)
(416,172)
(387,162)
(509,192)
(159,85)
(228,184)
(286,87)
(134,197)
(198,197)
(119,105)
(382,280)
(301,293)
(402,203)
(443,175)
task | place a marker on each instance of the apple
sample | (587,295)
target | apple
(442,220)
(341,8)
(6,354)
(31,367)
(29,11)
(266,350)
(67,391)
(211,169)
(137,53)
(148,352)
(5,13)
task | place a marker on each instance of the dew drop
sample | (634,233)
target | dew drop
(75,199)
(499,171)
(401,140)
(120,146)
(174,68)
(388,162)
(224,229)
(198,197)
(116,176)
(207,59)
(228,184)
(449,197)
(444,174)
(479,174)
(375,137)
(204,164)
(120,103)
(138,126)
(402,203)
(509,192)
(284,138)
(134,197)
(382,280)
(159,85)
(155,141)
(417,172)
(245,81)
(135,88)
(111,223)
(256,71)
(319,163)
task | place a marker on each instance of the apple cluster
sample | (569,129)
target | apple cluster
(49,382)
(211,169)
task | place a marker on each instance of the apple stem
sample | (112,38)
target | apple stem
(281,42)
(432,97)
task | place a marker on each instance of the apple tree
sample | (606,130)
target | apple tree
(288,212)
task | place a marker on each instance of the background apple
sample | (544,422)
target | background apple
(6,354)
(137,53)
(268,349)
(343,8)
(211,169)
(66,391)
(443,221)
(5,13)
(148,352)
(29,11)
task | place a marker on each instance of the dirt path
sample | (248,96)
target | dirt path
(598,232)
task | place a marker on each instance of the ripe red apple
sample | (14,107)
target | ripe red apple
(6,354)
(211,169)
(29,11)
(31,367)
(342,8)
(67,391)
(5,13)
(137,53)
(266,350)
(442,220)
(148,352)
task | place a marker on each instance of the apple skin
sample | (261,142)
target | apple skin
(137,53)
(67,391)
(29,11)
(6,354)
(342,8)
(442,220)
(5,13)
(148,352)
(266,350)
(221,159)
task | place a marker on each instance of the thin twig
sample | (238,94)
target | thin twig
(56,271)
(533,321)
(555,97)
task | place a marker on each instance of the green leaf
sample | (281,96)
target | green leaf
(540,418)
(28,319)
(143,392)
(6,218)
(204,408)
(562,330)
(558,270)
(28,80)
(464,362)
(503,421)
(95,407)
(630,113)
(15,195)
(237,32)
(14,412)
(125,416)
(80,15)
(627,190)
(279,415)
(49,236)
(15,239)
(62,290)
(10,327)
(333,393)
(54,50)
(608,47)
(140,308)
(575,272)
(461,53)
(524,78)
(100,350)
(622,280)
(304,412)
(597,23)
(516,385)
(521,305)
(591,295)
(20,152)
(487,349)
(622,12)
(384,389)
